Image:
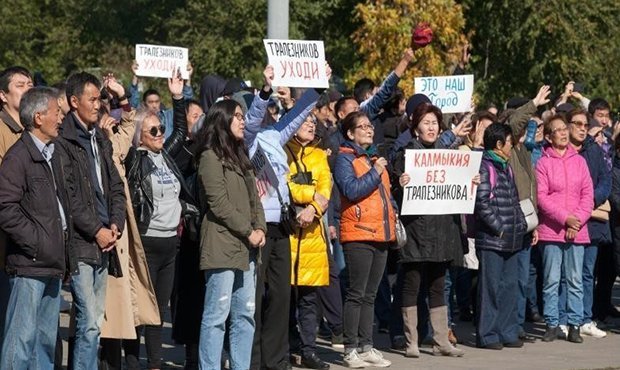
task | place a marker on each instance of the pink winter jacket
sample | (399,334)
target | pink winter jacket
(564,189)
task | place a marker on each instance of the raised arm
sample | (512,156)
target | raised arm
(175,141)
(256,112)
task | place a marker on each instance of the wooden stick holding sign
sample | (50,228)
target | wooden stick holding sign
(440,182)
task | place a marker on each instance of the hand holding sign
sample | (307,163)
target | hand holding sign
(175,85)
(421,36)
(268,77)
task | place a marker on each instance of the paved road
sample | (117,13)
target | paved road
(592,354)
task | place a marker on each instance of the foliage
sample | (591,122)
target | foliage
(385,33)
(519,46)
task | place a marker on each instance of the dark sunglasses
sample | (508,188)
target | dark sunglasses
(155,130)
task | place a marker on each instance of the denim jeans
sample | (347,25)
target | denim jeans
(534,281)
(498,292)
(589,260)
(228,292)
(523,277)
(31,323)
(558,258)
(88,289)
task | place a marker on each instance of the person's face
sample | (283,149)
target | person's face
(87,106)
(402,105)
(559,134)
(153,102)
(152,135)
(306,132)
(48,122)
(363,133)
(540,135)
(284,96)
(428,129)
(602,116)
(578,128)
(237,125)
(18,85)
(506,147)
(193,113)
(326,114)
(350,105)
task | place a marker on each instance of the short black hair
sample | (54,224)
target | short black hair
(190,102)
(340,103)
(323,100)
(78,81)
(361,88)
(8,73)
(598,104)
(494,133)
(148,93)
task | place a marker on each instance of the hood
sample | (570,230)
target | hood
(211,88)
(548,151)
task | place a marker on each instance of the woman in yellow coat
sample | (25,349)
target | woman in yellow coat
(310,183)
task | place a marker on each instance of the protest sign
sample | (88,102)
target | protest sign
(266,179)
(452,94)
(441,182)
(160,61)
(297,63)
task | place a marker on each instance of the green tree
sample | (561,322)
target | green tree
(519,46)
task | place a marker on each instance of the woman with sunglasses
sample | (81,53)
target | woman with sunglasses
(157,187)
(367,229)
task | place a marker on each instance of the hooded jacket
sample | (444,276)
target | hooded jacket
(309,245)
(564,189)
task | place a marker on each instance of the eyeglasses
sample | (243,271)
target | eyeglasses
(580,124)
(239,116)
(366,127)
(155,131)
(559,129)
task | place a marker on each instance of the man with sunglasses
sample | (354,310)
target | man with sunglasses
(98,202)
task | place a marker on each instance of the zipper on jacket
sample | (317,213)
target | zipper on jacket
(365,228)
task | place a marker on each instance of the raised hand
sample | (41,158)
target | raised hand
(175,84)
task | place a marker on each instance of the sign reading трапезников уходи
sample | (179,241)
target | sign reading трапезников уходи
(441,182)
(161,61)
(297,63)
(452,94)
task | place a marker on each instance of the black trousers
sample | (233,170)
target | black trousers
(605,277)
(304,309)
(160,256)
(330,298)
(273,294)
(434,273)
(365,266)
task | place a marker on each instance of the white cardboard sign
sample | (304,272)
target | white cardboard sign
(452,94)
(160,61)
(441,181)
(297,63)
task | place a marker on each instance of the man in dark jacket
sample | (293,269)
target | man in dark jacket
(98,203)
(34,214)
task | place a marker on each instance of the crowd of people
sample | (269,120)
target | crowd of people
(143,211)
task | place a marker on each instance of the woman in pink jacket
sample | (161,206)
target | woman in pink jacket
(565,202)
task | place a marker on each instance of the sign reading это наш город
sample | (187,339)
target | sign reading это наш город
(452,94)
(297,63)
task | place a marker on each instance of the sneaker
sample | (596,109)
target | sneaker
(337,341)
(591,330)
(353,360)
(573,335)
(563,332)
(374,358)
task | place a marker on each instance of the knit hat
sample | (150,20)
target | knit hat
(564,108)
(414,101)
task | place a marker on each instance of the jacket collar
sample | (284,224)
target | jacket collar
(71,127)
(34,152)
(9,121)
(550,152)
(350,147)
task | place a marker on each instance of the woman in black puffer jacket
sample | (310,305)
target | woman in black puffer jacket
(500,227)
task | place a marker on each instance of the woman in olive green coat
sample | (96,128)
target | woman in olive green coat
(233,231)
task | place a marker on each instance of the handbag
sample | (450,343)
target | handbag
(531,217)
(602,212)
(401,234)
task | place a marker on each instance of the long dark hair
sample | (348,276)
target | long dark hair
(217,136)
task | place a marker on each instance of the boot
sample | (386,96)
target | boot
(439,322)
(410,321)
